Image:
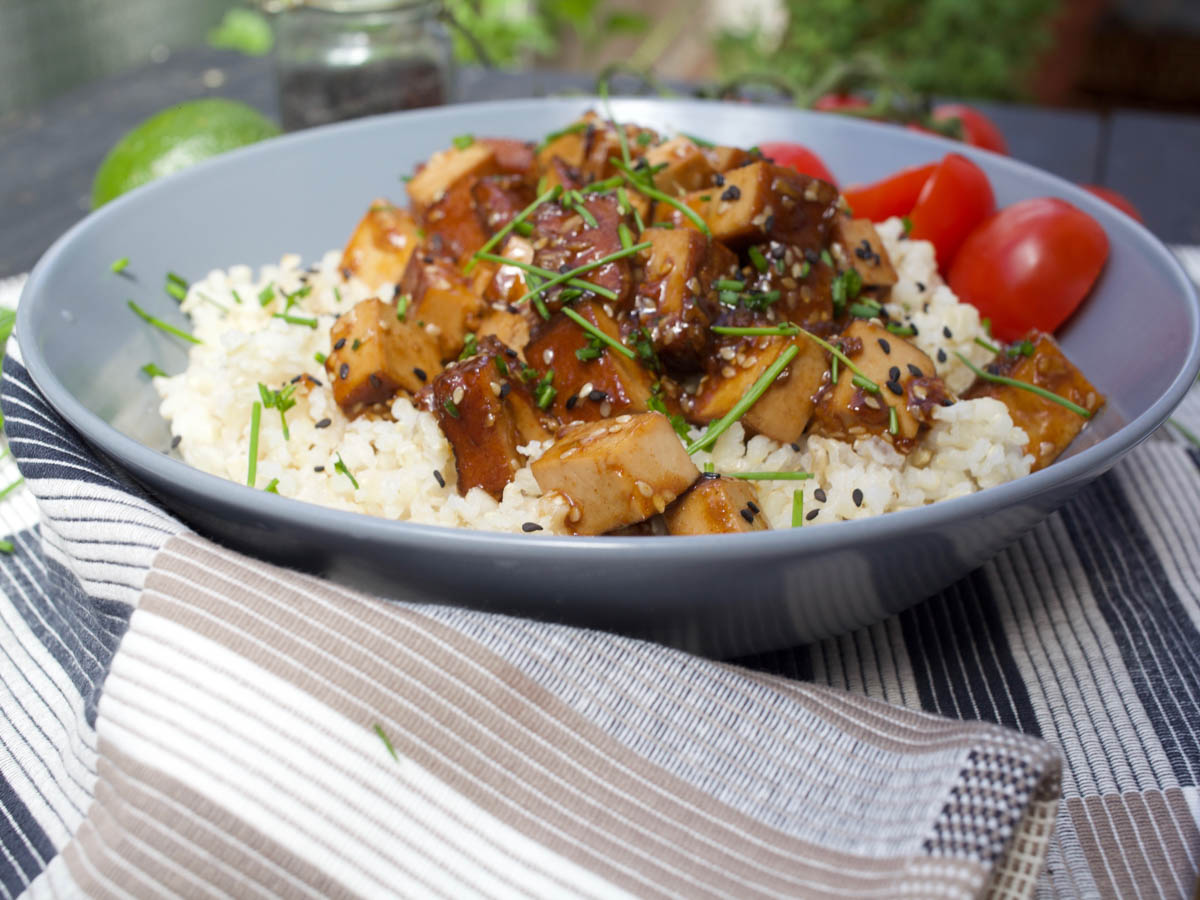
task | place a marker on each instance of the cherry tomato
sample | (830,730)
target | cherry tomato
(896,195)
(955,199)
(1030,265)
(1120,202)
(978,129)
(798,157)
(834,102)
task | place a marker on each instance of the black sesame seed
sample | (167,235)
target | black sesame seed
(341,342)
(344,371)
(710,475)
(175,441)
(420,373)
(913,326)
(597,396)
(812,256)
(884,345)
(296,379)
(769,224)
(733,192)
(563,269)
(857,497)
(819,495)
(376,381)
(925,307)
(812,515)
(316,381)
(505,390)
(895,388)
(572,400)
(753,507)
(719,180)
(428,260)
(915,370)
(795,446)
(324,423)
(346,273)
(530,526)
(318,468)
(941,355)
(747,515)
(993,369)
(946,332)
(509,351)
(777,251)
(921,286)
(894,373)
(438,478)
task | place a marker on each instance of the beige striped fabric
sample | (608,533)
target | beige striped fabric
(262,733)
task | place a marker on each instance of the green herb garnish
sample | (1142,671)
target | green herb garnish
(153,370)
(237,298)
(987,345)
(451,408)
(797,508)
(833,351)
(765,380)
(272,486)
(516,220)
(6,547)
(655,194)
(255,418)
(538,271)
(281,400)
(296,320)
(463,141)
(470,346)
(159,323)
(597,333)
(570,276)
(655,403)
(1024,386)
(340,466)
(900,330)
(574,128)
(757,258)
(320,357)
(728,284)
(388,744)
(771,476)
(267,294)
(120,265)
(893,422)
(402,306)
(757,330)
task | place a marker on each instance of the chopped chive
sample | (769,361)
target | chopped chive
(757,330)
(986,324)
(728,298)
(756,257)
(987,345)
(626,236)
(296,320)
(596,332)
(4,492)
(337,295)
(1025,348)
(570,294)
(383,737)
(893,422)
(656,194)
(826,258)
(748,400)
(569,276)
(668,226)
(574,128)
(908,225)
(320,357)
(838,354)
(516,220)
(211,302)
(624,207)
(340,466)
(540,306)
(772,476)
(255,419)
(797,508)
(833,370)
(1025,386)
(159,323)
(272,486)
(402,306)
(153,370)
(865,383)
(237,298)
(524,229)
(470,346)
(177,279)
(546,273)
(267,294)
(6,547)
(644,138)
(864,310)
(176,291)
(901,330)
(728,284)
(463,141)
(698,141)
(584,213)
(451,408)
(119,265)
(608,184)
(621,136)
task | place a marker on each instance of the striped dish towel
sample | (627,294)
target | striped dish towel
(179,719)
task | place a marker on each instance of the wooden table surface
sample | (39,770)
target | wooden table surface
(48,156)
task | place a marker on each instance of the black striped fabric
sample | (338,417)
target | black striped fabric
(1084,633)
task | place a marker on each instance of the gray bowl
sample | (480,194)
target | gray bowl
(1137,338)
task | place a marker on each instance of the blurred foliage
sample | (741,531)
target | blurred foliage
(977,48)
(244,30)
(514,33)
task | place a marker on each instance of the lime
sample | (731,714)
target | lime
(176,138)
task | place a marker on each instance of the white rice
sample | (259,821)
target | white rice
(972,445)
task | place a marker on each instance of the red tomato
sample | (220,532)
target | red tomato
(955,199)
(1117,200)
(978,129)
(1030,265)
(896,195)
(834,102)
(798,157)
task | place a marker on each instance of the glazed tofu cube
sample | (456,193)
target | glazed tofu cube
(687,168)
(510,328)
(716,505)
(486,412)
(445,168)
(374,354)
(784,410)
(1050,427)
(723,159)
(857,245)
(498,199)
(454,222)
(906,383)
(589,388)
(381,245)
(763,201)
(513,157)
(616,471)
(440,300)
(587,147)
(802,283)
(507,282)
(562,237)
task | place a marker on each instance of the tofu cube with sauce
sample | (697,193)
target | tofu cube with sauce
(446,167)
(616,472)
(687,168)
(374,355)
(486,412)
(857,245)
(784,410)
(1050,426)
(380,247)
(906,380)
(716,504)
(441,301)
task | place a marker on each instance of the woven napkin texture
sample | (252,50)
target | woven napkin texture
(178,718)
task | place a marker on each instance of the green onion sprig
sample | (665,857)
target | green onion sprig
(153,370)
(164,326)
(516,220)
(569,276)
(340,466)
(797,508)
(1024,386)
(255,419)
(654,193)
(296,320)
(531,269)
(597,333)
(772,476)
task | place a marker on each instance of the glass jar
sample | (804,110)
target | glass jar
(341,59)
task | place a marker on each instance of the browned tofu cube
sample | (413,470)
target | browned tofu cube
(716,505)
(615,472)
(381,245)
(725,158)
(510,328)
(857,245)
(374,354)
(507,282)
(562,237)
(591,388)
(686,166)
(677,286)
(440,301)
(498,199)
(486,412)
(763,201)
(445,168)
(512,157)
(454,224)
(587,147)
(784,410)
(1050,426)
(906,381)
